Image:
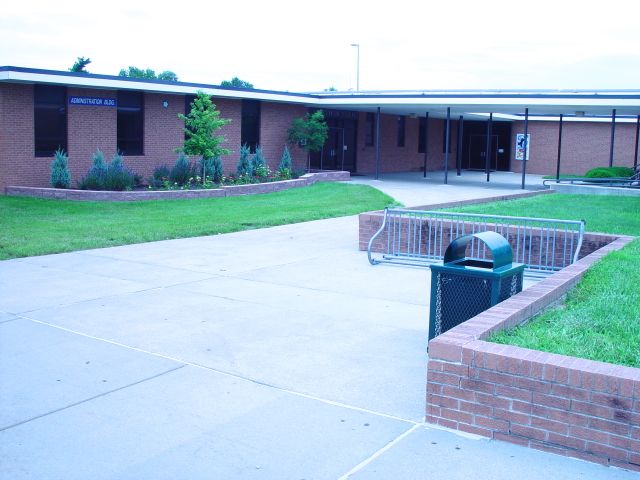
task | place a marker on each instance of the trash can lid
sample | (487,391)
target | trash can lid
(499,246)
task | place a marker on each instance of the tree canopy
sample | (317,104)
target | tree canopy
(80,65)
(200,125)
(236,82)
(310,131)
(135,72)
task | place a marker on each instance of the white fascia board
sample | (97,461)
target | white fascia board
(124,84)
(537,118)
(480,102)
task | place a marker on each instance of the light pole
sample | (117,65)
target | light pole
(357,45)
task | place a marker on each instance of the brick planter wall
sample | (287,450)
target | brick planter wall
(565,405)
(229,191)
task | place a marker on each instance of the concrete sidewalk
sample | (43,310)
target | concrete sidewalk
(412,189)
(276,354)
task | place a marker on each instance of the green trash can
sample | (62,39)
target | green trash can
(462,287)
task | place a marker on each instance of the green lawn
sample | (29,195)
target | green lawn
(30,226)
(600,319)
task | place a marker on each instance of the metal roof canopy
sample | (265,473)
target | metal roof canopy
(509,105)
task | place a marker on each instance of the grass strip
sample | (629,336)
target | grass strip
(600,319)
(32,226)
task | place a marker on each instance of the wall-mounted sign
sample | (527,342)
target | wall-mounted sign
(520,144)
(93,101)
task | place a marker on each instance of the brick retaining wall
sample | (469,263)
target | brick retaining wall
(227,191)
(569,406)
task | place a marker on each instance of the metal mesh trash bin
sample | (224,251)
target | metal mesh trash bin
(462,286)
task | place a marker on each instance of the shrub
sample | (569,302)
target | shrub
(118,177)
(114,176)
(622,171)
(598,173)
(217,171)
(608,172)
(244,164)
(262,172)
(285,160)
(99,167)
(96,174)
(284,168)
(60,176)
(258,163)
(211,168)
(182,170)
(160,176)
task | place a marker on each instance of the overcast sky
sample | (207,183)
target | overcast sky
(305,46)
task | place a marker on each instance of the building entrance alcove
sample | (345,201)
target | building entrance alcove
(339,151)
(474,146)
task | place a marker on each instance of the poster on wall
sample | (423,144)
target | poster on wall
(520,146)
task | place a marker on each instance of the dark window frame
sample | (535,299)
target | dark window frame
(130,118)
(250,123)
(402,131)
(422,138)
(369,129)
(50,120)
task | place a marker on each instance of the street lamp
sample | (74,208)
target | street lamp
(357,45)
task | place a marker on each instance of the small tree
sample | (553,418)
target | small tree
(60,176)
(200,126)
(244,163)
(80,65)
(310,132)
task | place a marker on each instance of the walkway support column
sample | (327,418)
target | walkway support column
(426,141)
(559,149)
(378,143)
(459,146)
(613,136)
(526,145)
(446,145)
(635,156)
(487,156)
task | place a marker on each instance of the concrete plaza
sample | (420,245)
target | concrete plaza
(276,354)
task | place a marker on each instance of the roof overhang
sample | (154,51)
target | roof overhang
(507,105)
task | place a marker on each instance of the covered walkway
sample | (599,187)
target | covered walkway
(473,129)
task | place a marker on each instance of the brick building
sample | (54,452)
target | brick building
(369,132)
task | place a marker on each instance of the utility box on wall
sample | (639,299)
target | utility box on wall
(462,287)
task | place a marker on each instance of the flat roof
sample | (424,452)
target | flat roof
(509,105)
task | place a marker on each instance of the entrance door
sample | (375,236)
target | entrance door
(332,155)
(476,156)
(474,145)
(339,151)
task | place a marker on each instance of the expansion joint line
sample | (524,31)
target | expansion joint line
(229,374)
(388,446)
